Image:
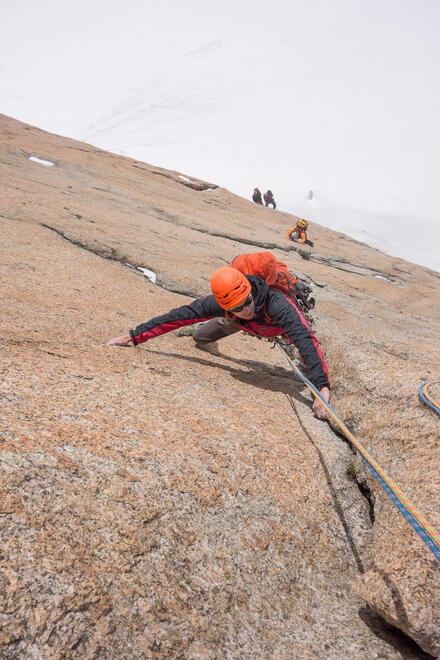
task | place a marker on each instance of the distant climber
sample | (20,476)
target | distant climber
(256,197)
(269,200)
(242,302)
(298,233)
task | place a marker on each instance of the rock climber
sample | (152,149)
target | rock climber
(298,232)
(256,196)
(240,302)
(268,199)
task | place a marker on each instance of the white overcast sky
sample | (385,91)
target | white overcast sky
(339,97)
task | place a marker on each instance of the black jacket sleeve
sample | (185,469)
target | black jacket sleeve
(284,312)
(202,309)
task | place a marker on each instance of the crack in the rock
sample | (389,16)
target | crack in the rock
(87,151)
(107,252)
(341,263)
(361,484)
(366,492)
(392,635)
(110,254)
(4,162)
(9,217)
(194,184)
(144,169)
(106,190)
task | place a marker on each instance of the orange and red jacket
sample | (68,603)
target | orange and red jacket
(275,315)
(302,234)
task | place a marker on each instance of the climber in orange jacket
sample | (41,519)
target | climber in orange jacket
(248,304)
(298,232)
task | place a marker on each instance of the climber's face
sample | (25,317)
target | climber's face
(248,311)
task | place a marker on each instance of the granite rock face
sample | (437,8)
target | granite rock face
(167,502)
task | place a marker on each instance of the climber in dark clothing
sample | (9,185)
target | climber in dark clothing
(249,304)
(256,196)
(269,200)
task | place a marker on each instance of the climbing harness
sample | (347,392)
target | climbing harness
(425,396)
(426,532)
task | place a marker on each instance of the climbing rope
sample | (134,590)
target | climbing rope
(426,532)
(423,394)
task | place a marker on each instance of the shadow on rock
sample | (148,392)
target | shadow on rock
(406,646)
(259,374)
(338,507)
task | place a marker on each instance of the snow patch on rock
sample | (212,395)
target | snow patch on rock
(149,274)
(47,163)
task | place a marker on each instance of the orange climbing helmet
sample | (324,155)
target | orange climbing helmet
(229,287)
(302,224)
